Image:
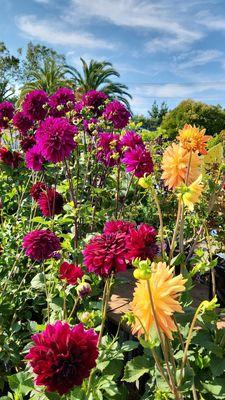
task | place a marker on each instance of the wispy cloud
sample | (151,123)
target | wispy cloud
(52,32)
(212,22)
(196,58)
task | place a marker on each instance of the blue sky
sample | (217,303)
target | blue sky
(164,49)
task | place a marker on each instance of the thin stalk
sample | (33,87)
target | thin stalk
(172,247)
(74,307)
(117,190)
(74,199)
(64,302)
(181,236)
(46,292)
(155,197)
(126,194)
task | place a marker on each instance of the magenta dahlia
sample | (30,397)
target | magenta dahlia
(95,100)
(108,149)
(117,113)
(62,356)
(35,105)
(40,244)
(22,122)
(62,101)
(131,139)
(105,254)
(27,142)
(50,202)
(37,189)
(55,138)
(118,226)
(141,243)
(34,159)
(6,113)
(70,273)
(138,161)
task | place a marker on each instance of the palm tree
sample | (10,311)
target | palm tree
(96,76)
(49,78)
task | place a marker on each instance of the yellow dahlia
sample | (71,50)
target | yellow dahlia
(175,163)
(165,289)
(192,138)
(193,193)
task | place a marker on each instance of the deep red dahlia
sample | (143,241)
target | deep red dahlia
(131,139)
(62,357)
(118,226)
(138,161)
(70,272)
(40,244)
(55,139)
(50,202)
(141,242)
(6,113)
(34,105)
(17,159)
(105,254)
(94,99)
(108,149)
(12,159)
(34,159)
(22,122)
(27,142)
(117,113)
(62,101)
(37,189)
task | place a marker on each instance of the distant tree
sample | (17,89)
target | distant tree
(154,120)
(194,112)
(9,68)
(97,76)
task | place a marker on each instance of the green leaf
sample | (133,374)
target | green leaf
(129,345)
(22,382)
(135,368)
(217,366)
(38,282)
(216,388)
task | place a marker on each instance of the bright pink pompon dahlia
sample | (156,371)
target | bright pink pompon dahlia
(138,161)
(34,159)
(108,149)
(34,105)
(61,102)
(117,113)
(131,139)
(94,99)
(22,122)
(118,226)
(62,357)
(37,189)
(50,202)
(6,113)
(105,254)
(41,244)
(141,242)
(70,272)
(55,138)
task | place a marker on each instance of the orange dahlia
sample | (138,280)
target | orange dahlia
(192,138)
(175,163)
(165,289)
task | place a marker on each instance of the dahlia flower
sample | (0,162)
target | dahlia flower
(33,105)
(118,226)
(141,243)
(55,139)
(37,189)
(108,149)
(34,159)
(117,113)
(22,122)
(70,273)
(138,161)
(94,99)
(192,138)
(62,101)
(40,244)
(131,140)
(62,356)
(105,254)
(192,194)
(175,163)
(50,202)
(165,289)
(12,159)
(6,113)
(27,142)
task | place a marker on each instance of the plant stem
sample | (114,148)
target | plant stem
(172,246)
(155,197)
(126,194)
(74,307)
(46,292)
(117,190)
(74,198)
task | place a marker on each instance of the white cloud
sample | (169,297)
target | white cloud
(42,1)
(53,33)
(197,58)
(212,22)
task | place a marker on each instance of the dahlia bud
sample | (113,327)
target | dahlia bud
(145,182)
(83,289)
(85,317)
(142,270)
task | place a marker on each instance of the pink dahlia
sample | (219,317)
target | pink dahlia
(117,113)
(108,149)
(95,100)
(70,272)
(55,138)
(50,202)
(41,244)
(6,113)
(141,242)
(62,356)
(22,122)
(62,101)
(105,254)
(131,140)
(118,226)
(27,142)
(37,189)
(138,161)
(34,105)
(34,159)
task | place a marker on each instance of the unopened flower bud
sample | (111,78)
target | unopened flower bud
(83,289)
